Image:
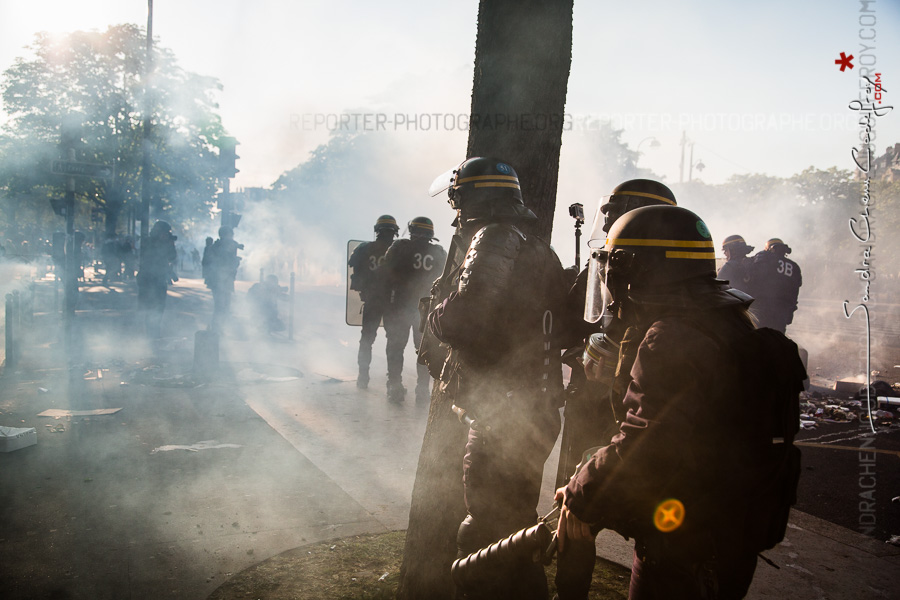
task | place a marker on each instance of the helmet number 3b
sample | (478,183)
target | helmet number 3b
(423,262)
(785,268)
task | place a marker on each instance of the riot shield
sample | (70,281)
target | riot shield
(354,302)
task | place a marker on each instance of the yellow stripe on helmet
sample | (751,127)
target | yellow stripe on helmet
(661,243)
(483,177)
(498,184)
(702,255)
(646,195)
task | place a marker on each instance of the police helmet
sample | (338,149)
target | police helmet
(483,189)
(160,228)
(631,194)
(648,251)
(777,246)
(421,227)
(736,245)
(386,223)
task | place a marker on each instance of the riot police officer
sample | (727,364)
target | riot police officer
(410,268)
(774,282)
(503,368)
(734,271)
(676,477)
(222,267)
(366,280)
(156,272)
(594,402)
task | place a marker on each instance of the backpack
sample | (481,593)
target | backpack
(771,481)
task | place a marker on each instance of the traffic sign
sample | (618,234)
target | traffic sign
(80,169)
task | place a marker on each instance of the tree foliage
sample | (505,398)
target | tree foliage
(96,80)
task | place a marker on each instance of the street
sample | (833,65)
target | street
(191,482)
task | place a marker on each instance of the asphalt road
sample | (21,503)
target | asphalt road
(93,512)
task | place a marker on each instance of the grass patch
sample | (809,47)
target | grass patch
(365,567)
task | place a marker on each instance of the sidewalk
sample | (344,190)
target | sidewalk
(295,454)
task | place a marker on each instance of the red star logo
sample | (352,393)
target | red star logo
(844,61)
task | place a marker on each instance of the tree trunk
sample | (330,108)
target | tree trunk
(522,57)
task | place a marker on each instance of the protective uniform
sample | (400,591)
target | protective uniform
(367,280)
(410,268)
(735,269)
(593,408)
(155,274)
(774,282)
(675,475)
(222,266)
(504,368)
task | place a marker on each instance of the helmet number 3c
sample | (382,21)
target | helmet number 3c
(786,268)
(423,262)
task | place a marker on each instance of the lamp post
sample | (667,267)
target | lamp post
(699,165)
(654,143)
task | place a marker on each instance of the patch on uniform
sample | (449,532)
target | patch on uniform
(702,229)
(504,168)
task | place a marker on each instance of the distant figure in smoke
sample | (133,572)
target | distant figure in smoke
(221,271)
(156,272)
(112,259)
(366,279)
(410,268)
(127,257)
(264,298)
(774,282)
(196,261)
(735,269)
(204,262)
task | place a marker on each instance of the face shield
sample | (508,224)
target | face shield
(443,182)
(607,271)
(597,298)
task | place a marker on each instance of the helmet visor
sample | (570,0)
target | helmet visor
(443,182)
(598,297)
(606,213)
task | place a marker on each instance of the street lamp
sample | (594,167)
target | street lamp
(654,143)
(691,164)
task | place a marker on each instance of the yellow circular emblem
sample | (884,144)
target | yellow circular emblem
(669,515)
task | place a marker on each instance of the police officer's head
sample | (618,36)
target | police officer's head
(161,229)
(386,226)
(777,247)
(735,247)
(660,257)
(632,194)
(484,190)
(421,227)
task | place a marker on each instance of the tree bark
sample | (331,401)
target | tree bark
(522,58)
(523,54)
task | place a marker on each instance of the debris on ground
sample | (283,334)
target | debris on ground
(59,412)
(16,438)
(204,445)
(816,407)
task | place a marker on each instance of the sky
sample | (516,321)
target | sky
(752,87)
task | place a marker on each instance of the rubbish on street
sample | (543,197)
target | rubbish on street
(15,438)
(59,412)
(204,445)
(250,375)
